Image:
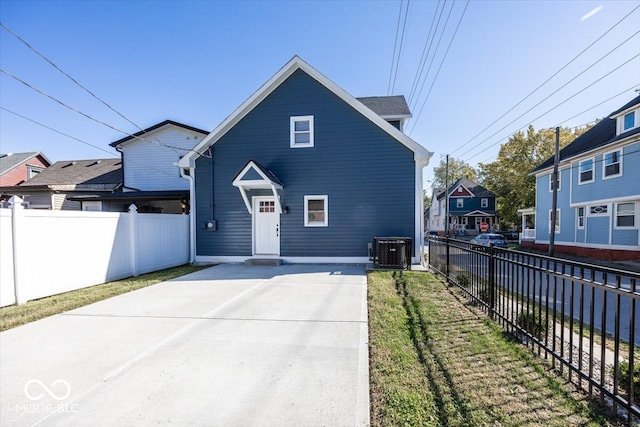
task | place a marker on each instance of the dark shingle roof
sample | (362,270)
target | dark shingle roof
(476,189)
(76,172)
(603,133)
(10,161)
(387,106)
(154,127)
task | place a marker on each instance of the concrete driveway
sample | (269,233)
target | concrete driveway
(230,345)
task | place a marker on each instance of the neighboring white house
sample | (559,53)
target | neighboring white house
(151,178)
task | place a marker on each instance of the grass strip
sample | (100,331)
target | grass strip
(460,367)
(16,315)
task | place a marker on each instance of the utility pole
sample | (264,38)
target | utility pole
(446,206)
(554,203)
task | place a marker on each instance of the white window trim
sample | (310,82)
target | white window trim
(326,211)
(484,202)
(636,121)
(584,216)
(459,203)
(92,203)
(593,171)
(558,218)
(292,135)
(635,225)
(604,165)
(551,181)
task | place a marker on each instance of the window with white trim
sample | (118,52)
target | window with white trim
(557,180)
(316,211)
(626,215)
(580,211)
(629,121)
(301,132)
(586,171)
(612,165)
(557,220)
(459,203)
(484,202)
(92,205)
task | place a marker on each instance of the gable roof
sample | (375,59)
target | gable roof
(296,63)
(474,188)
(12,160)
(154,127)
(602,134)
(100,172)
(388,107)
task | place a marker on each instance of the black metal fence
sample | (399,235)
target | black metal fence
(581,317)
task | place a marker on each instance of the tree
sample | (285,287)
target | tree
(426,199)
(509,175)
(457,169)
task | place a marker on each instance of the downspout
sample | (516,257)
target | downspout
(192,216)
(419,248)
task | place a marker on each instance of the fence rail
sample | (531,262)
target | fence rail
(45,252)
(582,317)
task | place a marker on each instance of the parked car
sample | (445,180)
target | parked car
(433,233)
(486,239)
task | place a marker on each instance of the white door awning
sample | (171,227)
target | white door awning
(254,176)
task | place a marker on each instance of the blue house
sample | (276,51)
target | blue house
(304,172)
(470,206)
(598,191)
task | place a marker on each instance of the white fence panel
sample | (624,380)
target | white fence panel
(60,251)
(160,241)
(7,294)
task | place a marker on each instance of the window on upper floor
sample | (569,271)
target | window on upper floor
(484,202)
(557,180)
(586,171)
(459,203)
(626,215)
(629,121)
(301,132)
(612,165)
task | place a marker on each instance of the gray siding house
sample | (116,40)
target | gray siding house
(304,172)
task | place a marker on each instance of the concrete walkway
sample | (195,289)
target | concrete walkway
(227,346)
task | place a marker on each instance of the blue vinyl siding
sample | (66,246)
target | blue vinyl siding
(598,229)
(544,202)
(624,237)
(368,176)
(616,187)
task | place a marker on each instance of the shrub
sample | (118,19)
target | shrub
(623,379)
(531,322)
(463,279)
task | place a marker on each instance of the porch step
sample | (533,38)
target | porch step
(263,261)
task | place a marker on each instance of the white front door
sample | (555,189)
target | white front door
(266,226)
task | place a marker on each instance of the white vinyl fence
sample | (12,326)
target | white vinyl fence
(44,252)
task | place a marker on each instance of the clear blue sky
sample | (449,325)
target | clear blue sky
(195,62)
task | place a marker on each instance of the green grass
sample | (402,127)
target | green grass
(437,361)
(17,315)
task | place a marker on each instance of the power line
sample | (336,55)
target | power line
(548,79)
(440,67)
(395,45)
(158,142)
(404,25)
(174,149)
(79,140)
(570,118)
(425,52)
(572,96)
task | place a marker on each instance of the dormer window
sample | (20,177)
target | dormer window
(629,121)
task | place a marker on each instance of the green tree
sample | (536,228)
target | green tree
(509,175)
(426,198)
(457,169)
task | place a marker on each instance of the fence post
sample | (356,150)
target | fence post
(15,204)
(447,268)
(133,217)
(492,283)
